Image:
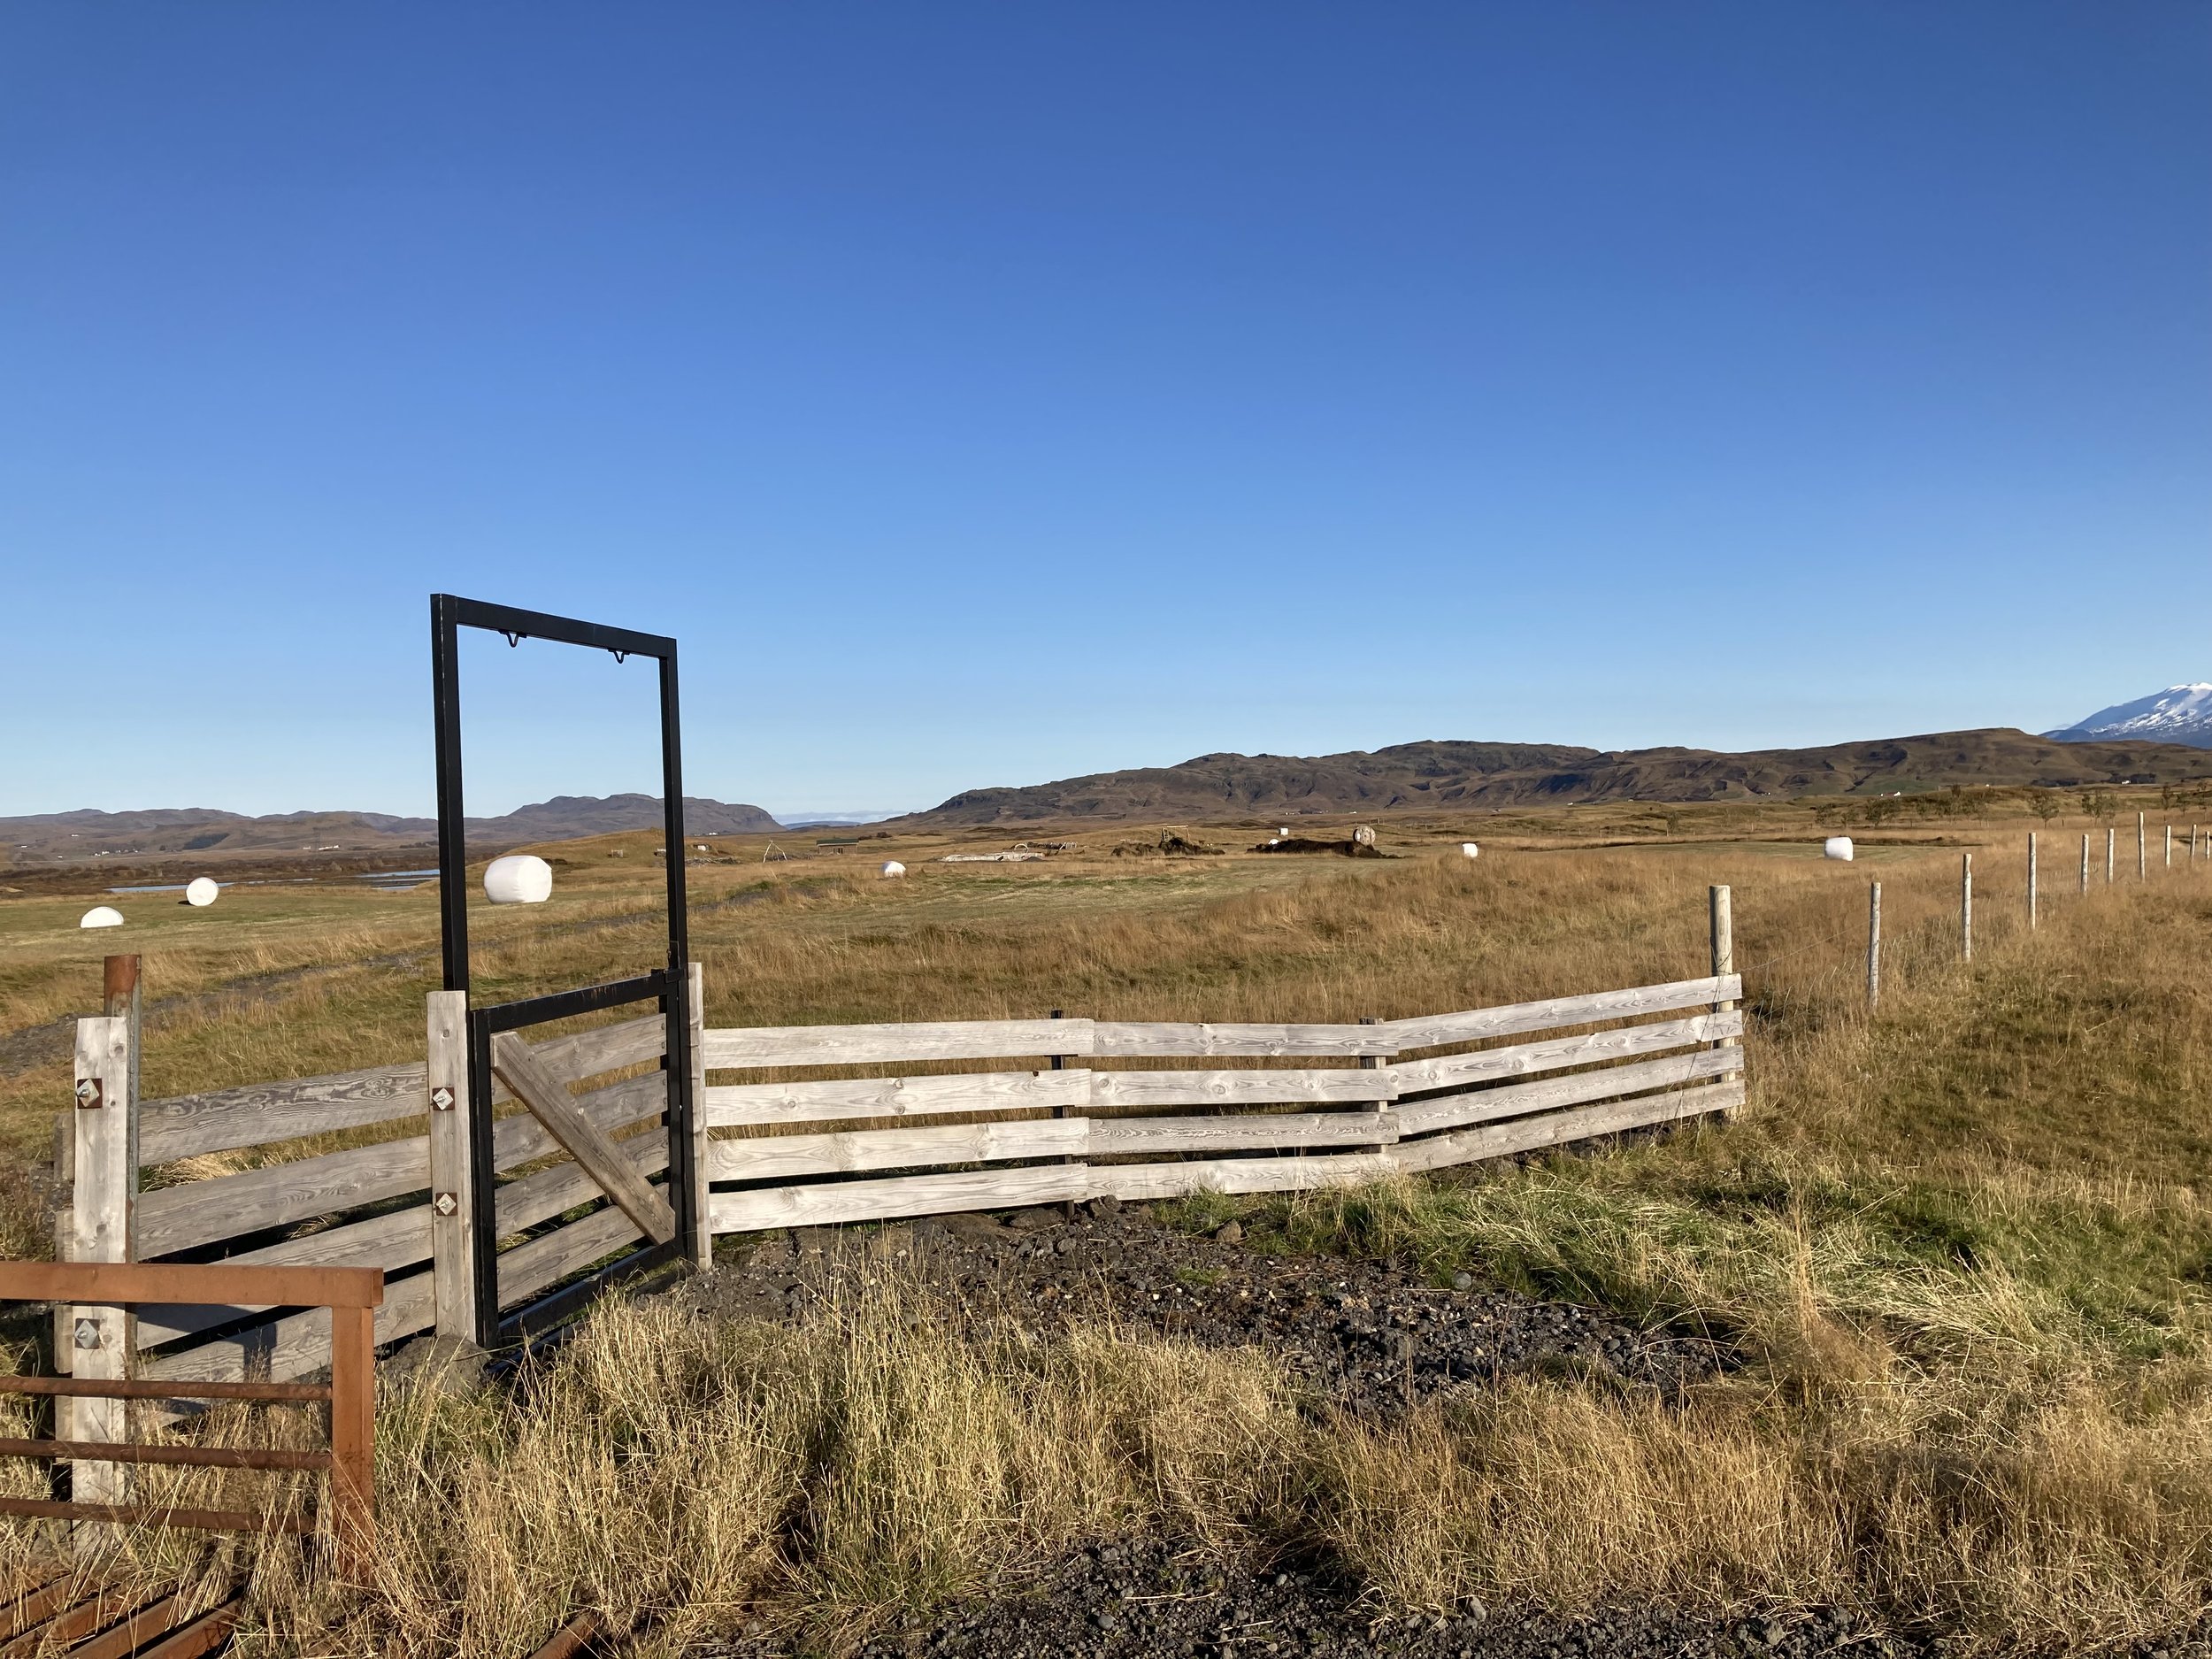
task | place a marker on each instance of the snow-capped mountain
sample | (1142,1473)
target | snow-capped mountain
(2179,714)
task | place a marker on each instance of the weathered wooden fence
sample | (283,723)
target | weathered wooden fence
(1275,1108)
(388,1203)
(830,1124)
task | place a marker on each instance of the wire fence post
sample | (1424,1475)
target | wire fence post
(2142,852)
(1874,946)
(2170,847)
(1966,907)
(2030,881)
(2111,840)
(2084,864)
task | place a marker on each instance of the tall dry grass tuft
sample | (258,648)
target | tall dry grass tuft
(683,1474)
(1570,1497)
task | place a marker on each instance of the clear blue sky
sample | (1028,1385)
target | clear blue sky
(985,393)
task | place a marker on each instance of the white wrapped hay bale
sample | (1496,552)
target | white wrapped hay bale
(1837,846)
(893,867)
(101,916)
(1468,849)
(201,892)
(519,878)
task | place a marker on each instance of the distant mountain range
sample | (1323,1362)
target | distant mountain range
(2179,714)
(1450,776)
(46,836)
(2109,747)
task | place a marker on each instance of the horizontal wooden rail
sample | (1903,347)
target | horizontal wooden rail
(1137,1040)
(1447,1111)
(931,1195)
(588,1054)
(546,1260)
(834,1099)
(186,1457)
(120,1284)
(263,1113)
(1553,1053)
(1551,1129)
(1433,1031)
(296,1344)
(391,1242)
(1140,1181)
(1304,1086)
(783,1156)
(1255,1132)
(746,1047)
(189,1520)
(194,1213)
(119,1388)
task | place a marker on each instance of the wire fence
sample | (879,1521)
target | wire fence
(1825,958)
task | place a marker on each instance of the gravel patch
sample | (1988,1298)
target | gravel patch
(1369,1337)
(1149,1600)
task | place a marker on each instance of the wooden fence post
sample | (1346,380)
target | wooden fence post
(1966,907)
(101,1227)
(2170,847)
(353,1433)
(702,1175)
(1370,1063)
(2142,852)
(2085,862)
(1874,946)
(1722,919)
(2111,840)
(452,1174)
(2030,881)
(118,1000)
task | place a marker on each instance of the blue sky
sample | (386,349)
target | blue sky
(987,394)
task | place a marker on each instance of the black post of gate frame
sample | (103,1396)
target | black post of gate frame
(670,984)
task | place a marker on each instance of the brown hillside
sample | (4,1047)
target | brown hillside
(1440,774)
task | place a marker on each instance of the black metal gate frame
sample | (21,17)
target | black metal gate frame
(669,985)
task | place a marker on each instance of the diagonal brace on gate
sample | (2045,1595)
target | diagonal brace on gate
(549,1101)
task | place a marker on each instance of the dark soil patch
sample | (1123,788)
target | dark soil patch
(1149,1600)
(1366,1336)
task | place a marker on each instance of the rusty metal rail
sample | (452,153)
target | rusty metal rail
(61,1612)
(351,1293)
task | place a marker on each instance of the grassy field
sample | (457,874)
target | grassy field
(1958,1247)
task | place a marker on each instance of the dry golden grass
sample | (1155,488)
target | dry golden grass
(1957,1248)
